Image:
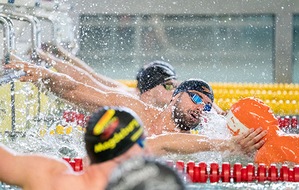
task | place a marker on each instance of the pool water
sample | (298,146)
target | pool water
(56,141)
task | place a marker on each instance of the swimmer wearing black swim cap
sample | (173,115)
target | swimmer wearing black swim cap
(156,82)
(111,131)
(200,95)
(154,74)
(145,174)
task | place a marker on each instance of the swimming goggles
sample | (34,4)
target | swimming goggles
(198,100)
(169,86)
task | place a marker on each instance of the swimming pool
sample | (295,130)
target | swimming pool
(63,142)
(47,135)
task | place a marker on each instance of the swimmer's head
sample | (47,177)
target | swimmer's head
(111,131)
(154,74)
(199,86)
(187,114)
(146,174)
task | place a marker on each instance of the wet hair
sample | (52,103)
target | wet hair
(145,174)
(154,74)
(110,132)
(198,85)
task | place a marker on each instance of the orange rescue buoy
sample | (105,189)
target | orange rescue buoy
(280,147)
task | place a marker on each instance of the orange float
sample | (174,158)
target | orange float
(280,147)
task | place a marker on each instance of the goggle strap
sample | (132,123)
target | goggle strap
(140,142)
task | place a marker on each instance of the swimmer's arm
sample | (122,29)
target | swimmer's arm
(66,68)
(60,83)
(91,98)
(76,92)
(68,56)
(14,57)
(82,65)
(183,143)
(25,170)
(73,71)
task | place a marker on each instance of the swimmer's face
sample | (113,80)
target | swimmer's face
(187,112)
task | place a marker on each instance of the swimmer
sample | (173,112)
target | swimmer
(34,172)
(145,174)
(180,115)
(157,91)
(156,80)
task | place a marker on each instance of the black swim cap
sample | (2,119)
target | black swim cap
(145,174)
(197,85)
(110,132)
(154,74)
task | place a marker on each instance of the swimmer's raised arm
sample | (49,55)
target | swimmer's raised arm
(76,92)
(14,57)
(183,143)
(66,55)
(21,169)
(73,71)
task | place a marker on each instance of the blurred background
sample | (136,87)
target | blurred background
(219,41)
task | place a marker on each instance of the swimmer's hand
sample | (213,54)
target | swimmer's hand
(33,72)
(50,48)
(50,59)
(53,81)
(250,141)
(14,57)
(63,52)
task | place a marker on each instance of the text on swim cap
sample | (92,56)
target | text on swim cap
(117,137)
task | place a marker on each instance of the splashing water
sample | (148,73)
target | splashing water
(57,145)
(213,126)
(39,140)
